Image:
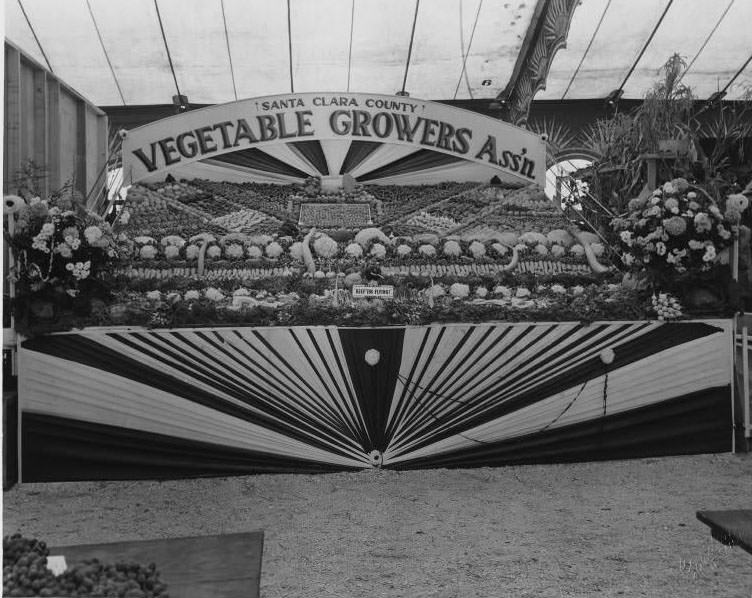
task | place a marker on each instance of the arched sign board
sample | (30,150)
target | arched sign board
(375,138)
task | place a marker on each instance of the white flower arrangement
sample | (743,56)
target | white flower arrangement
(481,292)
(13,204)
(172,252)
(241,292)
(666,306)
(254,252)
(214,252)
(558,289)
(192,295)
(522,293)
(154,296)
(173,241)
(352,279)
(296,251)
(541,249)
(737,202)
(214,294)
(93,234)
(560,237)
(378,251)
(577,250)
(274,250)
(404,250)
(63,249)
(354,250)
(147,252)
(558,250)
(80,270)
(427,250)
(500,249)
(577,290)
(191,252)
(452,249)
(459,290)
(325,246)
(367,235)
(234,251)
(532,238)
(503,291)
(435,291)
(477,249)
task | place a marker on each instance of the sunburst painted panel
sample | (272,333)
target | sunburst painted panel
(322,398)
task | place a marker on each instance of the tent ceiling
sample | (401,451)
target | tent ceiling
(114,53)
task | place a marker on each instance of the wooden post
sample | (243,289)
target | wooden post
(54,176)
(13,112)
(745,382)
(40,143)
(652,173)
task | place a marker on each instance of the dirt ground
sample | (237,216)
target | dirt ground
(621,528)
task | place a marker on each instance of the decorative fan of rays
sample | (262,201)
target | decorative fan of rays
(138,403)
(367,161)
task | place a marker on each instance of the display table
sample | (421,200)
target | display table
(733,528)
(133,403)
(222,566)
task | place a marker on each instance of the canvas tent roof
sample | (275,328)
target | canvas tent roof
(142,52)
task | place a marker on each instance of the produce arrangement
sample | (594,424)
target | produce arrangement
(25,573)
(466,253)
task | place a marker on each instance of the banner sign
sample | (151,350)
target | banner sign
(362,290)
(259,122)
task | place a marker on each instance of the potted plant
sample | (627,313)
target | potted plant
(665,119)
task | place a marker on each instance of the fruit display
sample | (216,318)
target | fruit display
(402,200)
(343,216)
(242,220)
(25,573)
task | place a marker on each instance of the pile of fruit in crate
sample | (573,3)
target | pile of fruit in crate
(25,573)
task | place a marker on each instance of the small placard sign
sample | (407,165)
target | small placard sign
(57,564)
(362,290)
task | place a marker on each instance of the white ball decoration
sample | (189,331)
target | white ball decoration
(372,357)
(607,356)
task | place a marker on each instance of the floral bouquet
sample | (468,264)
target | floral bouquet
(60,252)
(678,230)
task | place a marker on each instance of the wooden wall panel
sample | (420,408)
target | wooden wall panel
(12,113)
(68,137)
(50,124)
